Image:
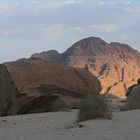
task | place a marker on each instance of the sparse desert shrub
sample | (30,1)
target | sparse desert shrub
(94,107)
(59,105)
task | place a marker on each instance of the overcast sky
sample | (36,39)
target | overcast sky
(30,26)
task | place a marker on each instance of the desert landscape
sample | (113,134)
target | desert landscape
(62,125)
(32,85)
(69,70)
(39,84)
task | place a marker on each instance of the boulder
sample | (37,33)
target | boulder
(133,99)
(32,85)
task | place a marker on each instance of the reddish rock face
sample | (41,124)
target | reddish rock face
(31,85)
(116,65)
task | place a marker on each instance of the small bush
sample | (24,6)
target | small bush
(94,107)
(59,105)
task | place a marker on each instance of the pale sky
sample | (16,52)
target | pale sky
(30,26)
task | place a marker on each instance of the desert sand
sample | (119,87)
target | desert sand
(61,126)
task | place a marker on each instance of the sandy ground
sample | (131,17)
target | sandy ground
(61,126)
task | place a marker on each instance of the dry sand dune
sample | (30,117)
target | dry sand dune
(61,126)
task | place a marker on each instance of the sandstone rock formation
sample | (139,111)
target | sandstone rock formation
(31,85)
(116,65)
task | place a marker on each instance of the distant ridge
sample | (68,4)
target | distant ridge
(116,65)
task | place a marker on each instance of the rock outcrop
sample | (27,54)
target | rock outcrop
(133,97)
(32,85)
(116,65)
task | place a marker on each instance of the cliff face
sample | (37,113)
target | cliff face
(22,90)
(116,65)
(8,93)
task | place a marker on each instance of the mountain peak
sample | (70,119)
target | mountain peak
(123,47)
(92,38)
(92,41)
(87,46)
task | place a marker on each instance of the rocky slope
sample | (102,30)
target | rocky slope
(116,65)
(32,85)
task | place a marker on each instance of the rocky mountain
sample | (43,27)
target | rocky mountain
(116,65)
(33,85)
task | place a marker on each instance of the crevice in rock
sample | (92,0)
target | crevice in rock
(123,73)
(109,88)
(116,69)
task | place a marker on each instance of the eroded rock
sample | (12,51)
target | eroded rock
(21,91)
